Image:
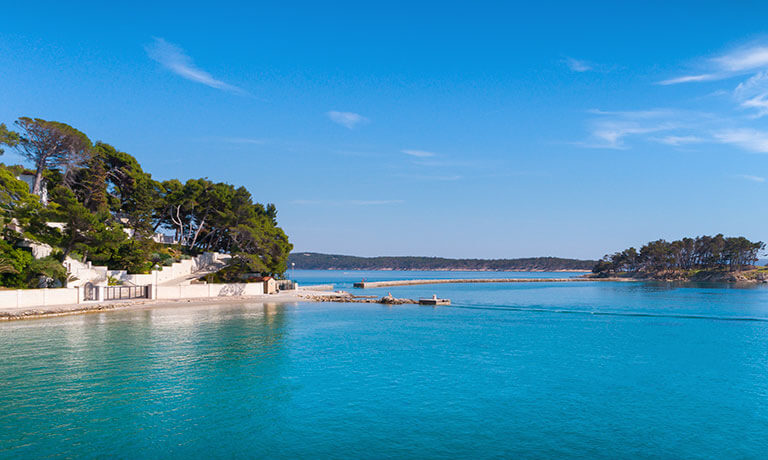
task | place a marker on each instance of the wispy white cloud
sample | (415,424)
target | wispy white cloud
(751,178)
(746,138)
(577,65)
(357,153)
(346,202)
(419,153)
(639,114)
(679,140)
(347,119)
(244,140)
(611,134)
(611,128)
(679,128)
(744,60)
(753,93)
(173,58)
(427,177)
(691,79)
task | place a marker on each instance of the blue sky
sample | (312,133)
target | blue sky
(482,129)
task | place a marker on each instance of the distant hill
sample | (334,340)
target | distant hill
(316,261)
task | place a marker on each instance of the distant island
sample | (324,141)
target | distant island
(317,261)
(704,258)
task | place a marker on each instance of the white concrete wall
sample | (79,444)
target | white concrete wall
(20,298)
(191,291)
(28,298)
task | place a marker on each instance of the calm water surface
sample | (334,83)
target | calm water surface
(568,370)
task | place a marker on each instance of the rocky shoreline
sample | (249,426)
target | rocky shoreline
(671,276)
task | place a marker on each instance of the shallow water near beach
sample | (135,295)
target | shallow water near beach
(566,370)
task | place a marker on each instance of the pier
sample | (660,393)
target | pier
(378,284)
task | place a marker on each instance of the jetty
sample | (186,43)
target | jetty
(389,299)
(378,284)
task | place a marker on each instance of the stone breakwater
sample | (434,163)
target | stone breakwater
(379,284)
(348,298)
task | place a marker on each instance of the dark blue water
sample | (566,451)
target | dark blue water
(527,371)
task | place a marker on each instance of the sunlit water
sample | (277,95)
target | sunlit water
(589,370)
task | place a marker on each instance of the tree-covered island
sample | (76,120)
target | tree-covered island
(92,202)
(316,261)
(704,258)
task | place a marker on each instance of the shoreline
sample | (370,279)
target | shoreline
(309,296)
(27,313)
(479,270)
(394,283)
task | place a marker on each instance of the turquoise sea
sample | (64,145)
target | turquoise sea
(561,370)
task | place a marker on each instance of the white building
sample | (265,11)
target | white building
(30,180)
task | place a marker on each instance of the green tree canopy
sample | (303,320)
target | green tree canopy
(106,208)
(51,144)
(703,252)
(7,137)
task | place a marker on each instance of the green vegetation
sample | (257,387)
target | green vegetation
(19,270)
(107,209)
(689,258)
(237,272)
(315,261)
(7,137)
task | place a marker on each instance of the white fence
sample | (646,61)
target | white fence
(35,298)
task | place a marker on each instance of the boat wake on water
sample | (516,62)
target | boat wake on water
(611,313)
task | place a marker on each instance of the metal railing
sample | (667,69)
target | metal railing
(126,292)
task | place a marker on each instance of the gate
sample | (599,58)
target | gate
(126,292)
(91,292)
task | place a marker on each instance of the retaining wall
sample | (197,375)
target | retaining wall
(190,291)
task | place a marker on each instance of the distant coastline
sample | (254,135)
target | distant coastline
(318,261)
(479,270)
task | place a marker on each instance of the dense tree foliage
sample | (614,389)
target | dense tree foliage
(108,209)
(315,261)
(208,216)
(703,252)
(50,144)
(7,138)
(19,270)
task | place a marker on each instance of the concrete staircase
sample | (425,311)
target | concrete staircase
(182,272)
(85,272)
